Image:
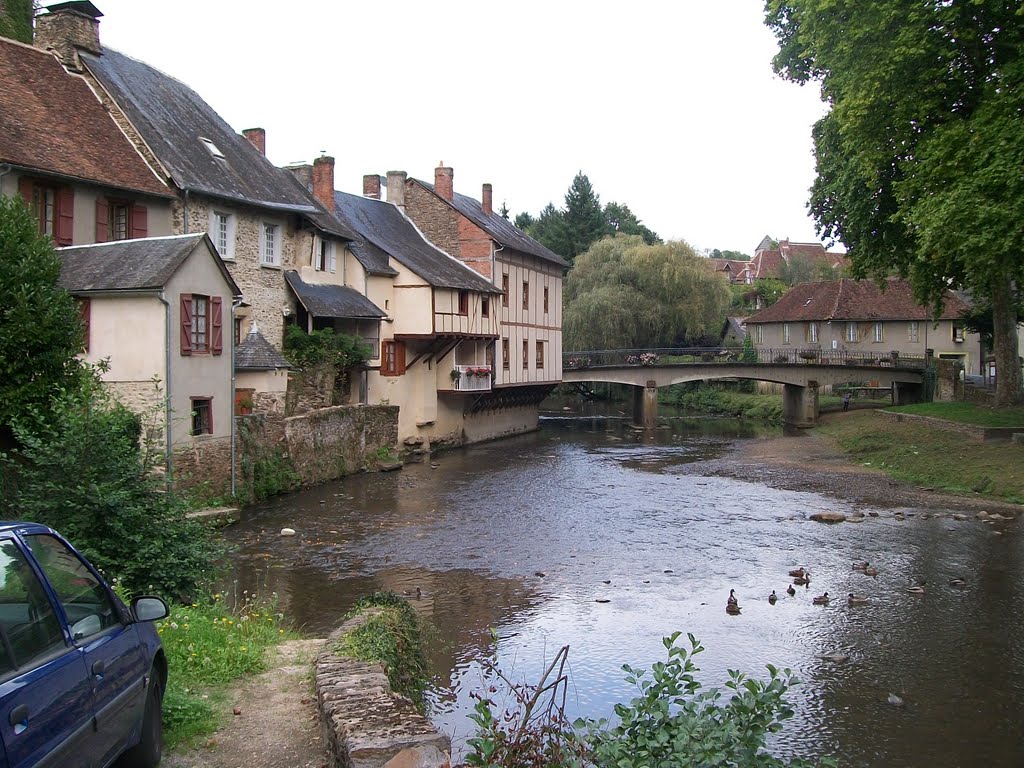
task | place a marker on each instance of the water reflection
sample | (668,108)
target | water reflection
(526,535)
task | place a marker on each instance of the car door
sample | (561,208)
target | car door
(108,641)
(46,717)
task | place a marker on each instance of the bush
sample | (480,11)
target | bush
(82,470)
(308,350)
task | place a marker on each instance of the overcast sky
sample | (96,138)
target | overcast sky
(669,107)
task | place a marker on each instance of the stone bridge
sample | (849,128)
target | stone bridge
(800,371)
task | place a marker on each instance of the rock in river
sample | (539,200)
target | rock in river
(828,517)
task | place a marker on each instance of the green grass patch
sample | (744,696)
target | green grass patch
(723,402)
(926,456)
(209,646)
(391,635)
(968,413)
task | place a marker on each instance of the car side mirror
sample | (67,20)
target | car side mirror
(149,609)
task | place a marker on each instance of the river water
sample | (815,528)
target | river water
(591,535)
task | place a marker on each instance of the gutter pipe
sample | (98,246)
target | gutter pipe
(168,409)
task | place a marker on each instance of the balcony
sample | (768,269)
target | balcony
(471,378)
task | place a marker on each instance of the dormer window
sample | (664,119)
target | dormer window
(212,148)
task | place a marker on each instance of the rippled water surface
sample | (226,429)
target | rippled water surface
(526,535)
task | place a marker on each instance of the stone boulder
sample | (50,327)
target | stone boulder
(828,517)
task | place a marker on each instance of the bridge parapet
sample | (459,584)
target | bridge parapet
(573,361)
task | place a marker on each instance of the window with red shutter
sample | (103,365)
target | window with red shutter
(186,323)
(102,212)
(216,325)
(65,216)
(140,224)
(392,358)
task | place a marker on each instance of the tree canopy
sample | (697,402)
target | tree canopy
(582,222)
(40,326)
(625,294)
(919,157)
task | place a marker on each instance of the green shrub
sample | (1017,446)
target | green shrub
(308,350)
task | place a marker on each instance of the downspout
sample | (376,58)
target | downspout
(167,370)
(236,302)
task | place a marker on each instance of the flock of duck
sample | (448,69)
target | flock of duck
(802,578)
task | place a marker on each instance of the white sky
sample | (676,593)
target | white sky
(668,106)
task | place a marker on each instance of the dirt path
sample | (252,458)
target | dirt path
(277,725)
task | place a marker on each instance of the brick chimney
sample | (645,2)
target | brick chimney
(68,27)
(323,181)
(258,138)
(444,181)
(371,186)
(486,199)
(396,187)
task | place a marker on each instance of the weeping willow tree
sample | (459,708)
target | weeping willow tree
(625,294)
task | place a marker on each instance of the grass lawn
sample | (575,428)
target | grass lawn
(968,413)
(935,458)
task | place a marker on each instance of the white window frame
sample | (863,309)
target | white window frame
(270,232)
(913,332)
(325,258)
(877,331)
(851,332)
(812,333)
(785,333)
(759,334)
(216,217)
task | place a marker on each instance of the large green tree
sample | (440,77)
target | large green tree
(623,221)
(584,219)
(919,157)
(625,294)
(40,327)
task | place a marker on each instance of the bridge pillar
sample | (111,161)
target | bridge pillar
(904,393)
(645,405)
(800,404)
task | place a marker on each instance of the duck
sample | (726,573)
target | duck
(869,571)
(799,573)
(790,591)
(821,599)
(772,597)
(732,609)
(802,581)
(861,566)
(857,600)
(732,598)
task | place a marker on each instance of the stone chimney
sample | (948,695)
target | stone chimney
(486,199)
(444,182)
(323,181)
(396,187)
(303,172)
(371,186)
(67,28)
(258,138)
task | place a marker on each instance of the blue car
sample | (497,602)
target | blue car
(82,675)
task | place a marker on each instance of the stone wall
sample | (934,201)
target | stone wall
(332,442)
(204,465)
(364,723)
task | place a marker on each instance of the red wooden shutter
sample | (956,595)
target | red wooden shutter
(25,190)
(139,221)
(102,219)
(65,216)
(216,325)
(186,324)
(85,312)
(400,357)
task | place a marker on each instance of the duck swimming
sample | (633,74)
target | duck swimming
(821,599)
(802,581)
(856,600)
(732,609)
(798,573)
(861,566)
(772,598)
(790,591)
(869,571)
(732,598)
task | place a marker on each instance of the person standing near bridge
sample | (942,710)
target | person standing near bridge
(846,400)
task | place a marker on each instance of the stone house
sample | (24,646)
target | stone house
(260,219)
(156,310)
(59,150)
(527,354)
(771,258)
(861,319)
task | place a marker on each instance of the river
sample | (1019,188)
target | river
(592,535)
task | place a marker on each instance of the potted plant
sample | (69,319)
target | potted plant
(455,374)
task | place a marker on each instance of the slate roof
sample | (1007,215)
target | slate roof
(501,230)
(255,353)
(132,265)
(172,119)
(853,300)
(332,300)
(387,231)
(51,122)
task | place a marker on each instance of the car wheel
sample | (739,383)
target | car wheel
(146,754)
